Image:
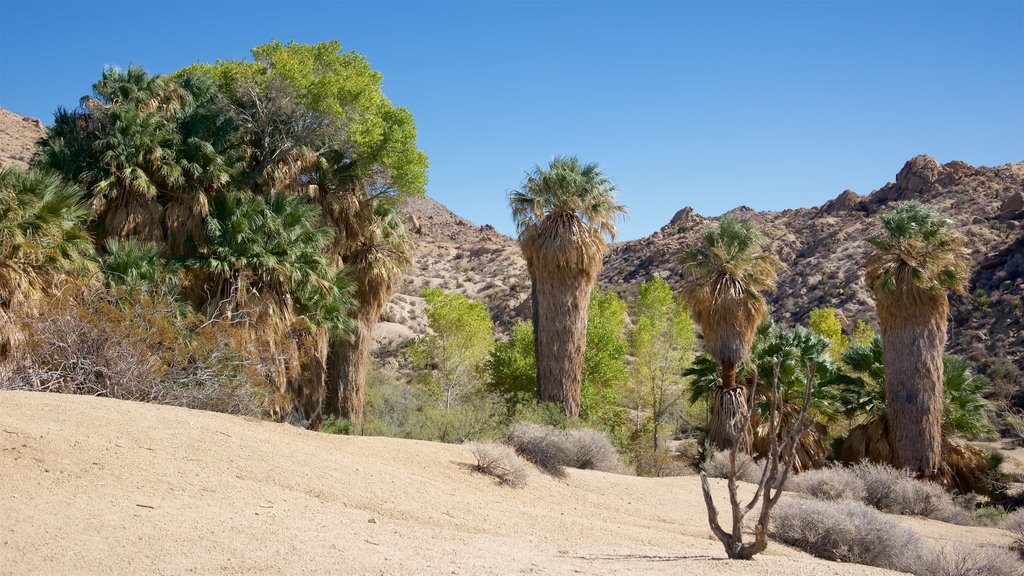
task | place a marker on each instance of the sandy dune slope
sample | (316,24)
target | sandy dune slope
(98,486)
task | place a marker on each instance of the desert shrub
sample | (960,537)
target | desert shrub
(539,444)
(1014,523)
(747,469)
(833,483)
(131,345)
(963,560)
(501,462)
(898,492)
(553,450)
(843,531)
(396,409)
(989,515)
(590,449)
(849,531)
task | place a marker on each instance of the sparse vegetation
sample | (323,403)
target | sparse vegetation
(885,488)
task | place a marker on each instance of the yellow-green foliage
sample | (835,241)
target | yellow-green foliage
(604,361)
(825,323)
(341,86)
(662,344)
(863,334)
(452,359)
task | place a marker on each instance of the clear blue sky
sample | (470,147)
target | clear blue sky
(707,104)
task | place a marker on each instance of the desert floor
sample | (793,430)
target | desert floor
(98,486)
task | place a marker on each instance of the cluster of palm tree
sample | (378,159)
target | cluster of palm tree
(261,193)
(565,214)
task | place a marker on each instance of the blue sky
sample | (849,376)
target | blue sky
(706,104)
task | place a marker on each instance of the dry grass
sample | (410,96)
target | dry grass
(885,488)
(501,462)
(553,450)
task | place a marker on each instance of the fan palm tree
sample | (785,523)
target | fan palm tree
(42,238)
(135,265)
(149,150)
(375,254)
(915,263)
(565,214)
(724,279)
(264,265)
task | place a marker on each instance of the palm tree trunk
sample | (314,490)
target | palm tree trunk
(347,362)
(535,312)
(727,413)
(913,340)
(560,340)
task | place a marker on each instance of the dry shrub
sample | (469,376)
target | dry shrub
(963,560)
(501,462)
(747,469)
(134,347)
(843,531)
(898,492)
(833,483)
(590,449)
(849,531)
(1014,523)
(553,449)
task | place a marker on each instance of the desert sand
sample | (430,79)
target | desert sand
(98,486)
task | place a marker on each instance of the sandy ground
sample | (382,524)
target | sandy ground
(98,486)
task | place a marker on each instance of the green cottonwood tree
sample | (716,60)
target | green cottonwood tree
(453,358)
(662,344)
(825,323)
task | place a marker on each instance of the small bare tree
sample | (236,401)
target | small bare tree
(782,444)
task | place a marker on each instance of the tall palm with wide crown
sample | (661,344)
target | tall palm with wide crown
(725,278)
(565,214)
(917,260)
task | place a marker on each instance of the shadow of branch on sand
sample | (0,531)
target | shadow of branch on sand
(643,557)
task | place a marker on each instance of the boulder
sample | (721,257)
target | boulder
(848,201)
(684,216)
(1014,203)
(917,177)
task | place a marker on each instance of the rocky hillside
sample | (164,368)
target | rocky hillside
(823,246)
(18,136)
